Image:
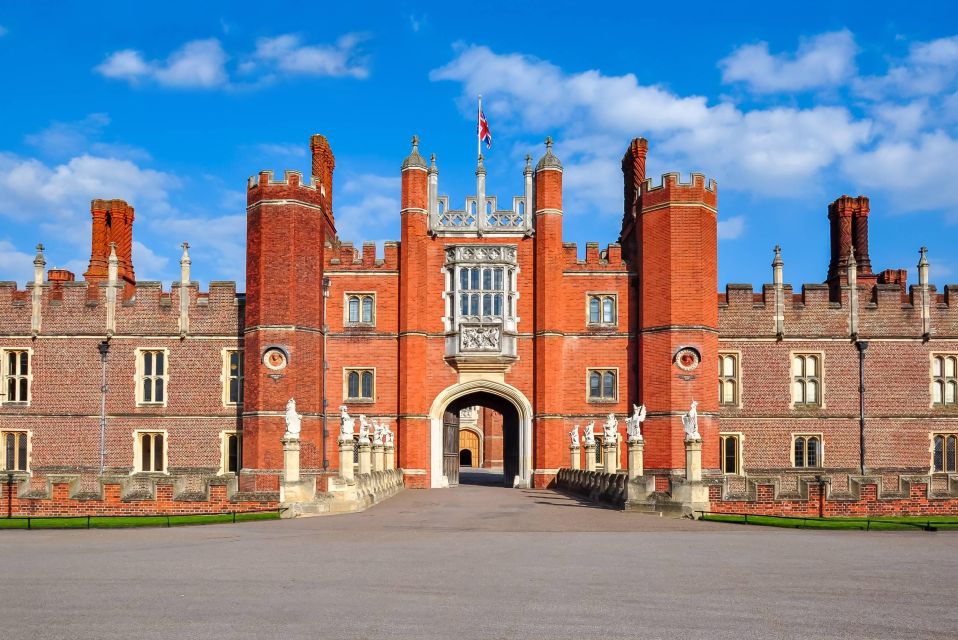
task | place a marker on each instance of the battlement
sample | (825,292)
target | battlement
(264,186)
(345,256)
(80,308)
(674,180)
(882,310)
(608,259)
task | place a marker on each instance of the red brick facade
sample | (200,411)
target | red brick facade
(480,306)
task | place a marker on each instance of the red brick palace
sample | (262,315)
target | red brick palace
(480,338)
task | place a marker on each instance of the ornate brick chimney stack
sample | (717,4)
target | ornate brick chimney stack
(112,222)
(323,165)
(848,219)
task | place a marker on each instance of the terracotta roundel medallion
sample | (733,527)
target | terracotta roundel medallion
(687,358)
(275,359)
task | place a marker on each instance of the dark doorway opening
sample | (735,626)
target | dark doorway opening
(498,461)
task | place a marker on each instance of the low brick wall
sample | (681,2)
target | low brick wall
(864,497)
(129,496)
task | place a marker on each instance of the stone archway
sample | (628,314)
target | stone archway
(508,394)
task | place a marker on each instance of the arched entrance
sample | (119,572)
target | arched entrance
(516,412)
(470,448)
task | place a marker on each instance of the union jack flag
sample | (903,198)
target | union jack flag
(483,128)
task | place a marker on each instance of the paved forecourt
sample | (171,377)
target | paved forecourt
(478,562)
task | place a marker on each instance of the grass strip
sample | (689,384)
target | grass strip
(121,522)
(891,523)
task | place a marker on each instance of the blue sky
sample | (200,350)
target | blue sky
(172,107)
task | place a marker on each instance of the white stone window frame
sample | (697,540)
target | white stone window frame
(225,375)
(739,452)
(358,399)
(821,449)
(737,378)
(588,388)
(3,451)
(4,353)
(455,261)
(139,375)
(944,379)
(602,296)
(225,452)
(138,450)
(361,295)
(820,404)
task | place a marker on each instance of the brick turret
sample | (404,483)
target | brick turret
(413,427)
(288,225)
(112,223)
(675,254)
(550,432)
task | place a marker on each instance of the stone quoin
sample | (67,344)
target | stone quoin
(479,338)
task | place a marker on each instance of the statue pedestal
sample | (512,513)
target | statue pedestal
(590,456)
(378,457)
(364,458)
(291,446)
(576,458)
(693,460)
(635,459)
(610,458)
(389,458)
(346,448)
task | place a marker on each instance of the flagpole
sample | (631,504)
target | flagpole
(479,130)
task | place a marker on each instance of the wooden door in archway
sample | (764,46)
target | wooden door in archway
(469,449)
(450,447)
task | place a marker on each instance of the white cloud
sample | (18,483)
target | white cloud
(30,189)
(731,228)
(773,151)
(147,264)
(368,208)
(290,150)
(286,53)
(918,173)
(199,64)
(68,138)
(928,69)
(217,243)
(15,264)
(825,60)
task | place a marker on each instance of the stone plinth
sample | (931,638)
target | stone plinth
(365,463)
(389,458)
(291,446)
(576,457)
(379,460)
(610,458)
(589,456)
(636,448)
(346,449)
(693,460)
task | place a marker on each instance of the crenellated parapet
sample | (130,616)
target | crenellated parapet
(264,187)
(609,259)
(671,189)
(345,257)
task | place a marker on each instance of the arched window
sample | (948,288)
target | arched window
(728,379)
(601,309)
(360,385)
(361,309)
(808,452)
(945,380)
(603,385)
(945,450)
(806,380)
(729,445)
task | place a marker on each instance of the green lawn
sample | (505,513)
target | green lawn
(891,523)
(115,522)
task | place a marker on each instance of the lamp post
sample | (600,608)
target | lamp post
(326,283)
(861,345)
(104,348)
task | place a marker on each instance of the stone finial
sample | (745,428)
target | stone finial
(480,167)
(528,168)
(923,266)
(39,259)
(778,257)
(185,263)
(414,160)
(432,164)
(549,160)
